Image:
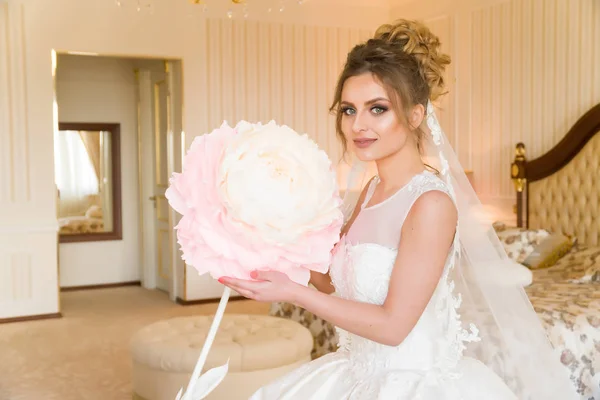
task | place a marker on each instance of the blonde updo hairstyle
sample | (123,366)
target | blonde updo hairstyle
(405,57)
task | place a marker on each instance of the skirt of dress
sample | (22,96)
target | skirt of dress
(331,377)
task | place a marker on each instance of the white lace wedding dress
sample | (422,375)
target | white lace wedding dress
(429,364)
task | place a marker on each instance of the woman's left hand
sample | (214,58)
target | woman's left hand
(270,286)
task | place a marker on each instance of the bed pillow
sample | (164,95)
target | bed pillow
(508,273)
(517,274)
(94,212)
(519,243)
(549,250)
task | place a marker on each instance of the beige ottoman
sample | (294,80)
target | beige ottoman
(260,349)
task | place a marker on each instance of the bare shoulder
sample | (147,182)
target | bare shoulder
(433,209)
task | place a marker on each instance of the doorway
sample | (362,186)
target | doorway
(118,139)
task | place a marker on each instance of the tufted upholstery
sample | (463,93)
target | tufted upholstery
(259,348)
(568,201)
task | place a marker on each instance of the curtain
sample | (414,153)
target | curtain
(91,141)
(75,173)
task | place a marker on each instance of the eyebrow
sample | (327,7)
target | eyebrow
(372,101)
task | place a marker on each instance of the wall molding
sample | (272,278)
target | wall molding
(14,130)
(28,275)
(49,227)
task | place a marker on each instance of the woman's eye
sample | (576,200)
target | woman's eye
(348,111)
(378,110)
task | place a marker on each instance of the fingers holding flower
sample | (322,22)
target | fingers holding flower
(267,286)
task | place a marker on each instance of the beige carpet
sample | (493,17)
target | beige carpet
(85,355)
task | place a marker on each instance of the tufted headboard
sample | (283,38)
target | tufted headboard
(560,190)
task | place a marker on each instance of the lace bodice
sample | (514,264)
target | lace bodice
(362,265)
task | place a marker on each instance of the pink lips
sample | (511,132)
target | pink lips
(363,143)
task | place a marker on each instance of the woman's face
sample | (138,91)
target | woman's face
(369,123)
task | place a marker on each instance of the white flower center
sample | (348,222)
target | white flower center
(277,182)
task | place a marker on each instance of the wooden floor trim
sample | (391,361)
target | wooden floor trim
(30,318)
(103,286)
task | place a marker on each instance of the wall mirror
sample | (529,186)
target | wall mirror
(88,181)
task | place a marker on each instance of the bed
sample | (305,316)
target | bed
(80,224)
(558,193)
(90,221)
(557,236)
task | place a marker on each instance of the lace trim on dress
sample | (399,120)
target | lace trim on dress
(447,304)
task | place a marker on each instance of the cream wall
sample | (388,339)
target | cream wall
(32,29)
(524,70)
(98,89)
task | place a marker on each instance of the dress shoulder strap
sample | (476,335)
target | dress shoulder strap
(429,181)
(423,183)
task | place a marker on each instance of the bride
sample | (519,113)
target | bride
(421,305)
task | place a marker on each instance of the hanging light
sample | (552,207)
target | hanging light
(236,7)
(243,6)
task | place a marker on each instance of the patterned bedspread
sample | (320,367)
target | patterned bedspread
(570,311)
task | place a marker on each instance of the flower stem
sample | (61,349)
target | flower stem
(207,344)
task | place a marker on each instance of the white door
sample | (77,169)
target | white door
(157,162)
(163,230)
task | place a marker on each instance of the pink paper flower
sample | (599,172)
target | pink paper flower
(256,197)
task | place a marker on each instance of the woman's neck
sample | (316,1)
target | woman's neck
(399,168)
